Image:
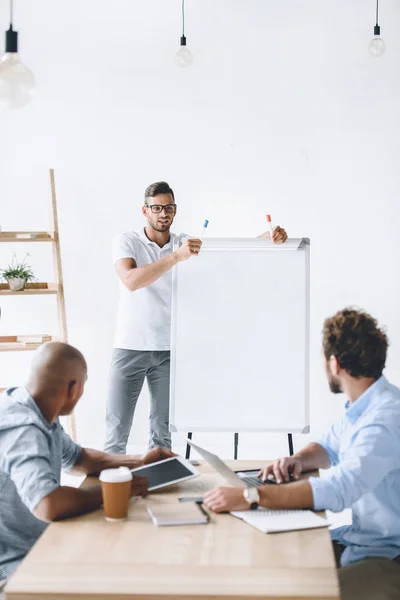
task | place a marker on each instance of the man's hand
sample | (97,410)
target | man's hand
(190,247)
(279,235)
(156,454)
(140,486)
(282,469)
(223,499)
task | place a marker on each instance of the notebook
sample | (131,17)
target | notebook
(187,513)
(276,521)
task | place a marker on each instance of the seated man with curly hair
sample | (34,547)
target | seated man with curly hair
(363,449)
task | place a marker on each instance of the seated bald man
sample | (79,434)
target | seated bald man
(34,448)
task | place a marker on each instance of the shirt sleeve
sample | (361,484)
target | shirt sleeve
(183,237)
(122,247)
(70,451)
(29,465)
(330,443)
(373,455)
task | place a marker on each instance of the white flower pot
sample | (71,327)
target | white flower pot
(17,284)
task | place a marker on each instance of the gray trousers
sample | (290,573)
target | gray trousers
(374,578)
(129,369)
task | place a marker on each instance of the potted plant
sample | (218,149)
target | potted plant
(17,274)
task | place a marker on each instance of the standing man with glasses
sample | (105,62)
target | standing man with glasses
(143,261)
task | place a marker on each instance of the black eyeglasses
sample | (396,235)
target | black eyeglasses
(170,209)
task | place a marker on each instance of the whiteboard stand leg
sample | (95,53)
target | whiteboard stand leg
(290,442)
(236,446)
(187,456)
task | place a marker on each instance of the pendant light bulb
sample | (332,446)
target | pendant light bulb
(377,45)
(183,57)
(17,84)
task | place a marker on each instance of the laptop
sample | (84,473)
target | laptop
(239,479)
(266,521)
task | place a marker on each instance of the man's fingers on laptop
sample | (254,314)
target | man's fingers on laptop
(280,470)
(276,469)
(291,467)
(285,468)
(297,469)
(266,473)
(285,464)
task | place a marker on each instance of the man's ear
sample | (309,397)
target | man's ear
(72,389)
(144,210)
(334,365)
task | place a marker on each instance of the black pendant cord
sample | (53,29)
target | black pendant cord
(183,38)
(11,35)
(377,29)
(183,18)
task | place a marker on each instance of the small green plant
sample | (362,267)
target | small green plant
(18,270)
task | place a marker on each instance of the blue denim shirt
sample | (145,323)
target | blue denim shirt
(364,450)
(32,454)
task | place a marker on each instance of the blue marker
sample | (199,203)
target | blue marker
(204,229)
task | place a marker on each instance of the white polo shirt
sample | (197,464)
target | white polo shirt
(144,316)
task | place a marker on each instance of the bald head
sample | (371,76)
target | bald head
(57,376)
(57,361)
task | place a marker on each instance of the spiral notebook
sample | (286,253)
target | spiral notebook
(277,521)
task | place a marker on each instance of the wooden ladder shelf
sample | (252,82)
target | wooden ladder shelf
(19,343)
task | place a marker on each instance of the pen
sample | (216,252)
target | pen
(196,499)
(270,228)
(204,229)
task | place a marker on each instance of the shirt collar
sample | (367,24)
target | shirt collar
(355,410)
(143,236)
(27,398)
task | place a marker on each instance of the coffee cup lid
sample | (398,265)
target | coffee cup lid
(119,475)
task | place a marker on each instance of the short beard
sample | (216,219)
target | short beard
(160,229)
(334,386)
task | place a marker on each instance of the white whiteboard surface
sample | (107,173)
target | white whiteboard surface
(240,338)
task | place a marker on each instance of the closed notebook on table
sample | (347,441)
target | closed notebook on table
(278,521)
(188,513)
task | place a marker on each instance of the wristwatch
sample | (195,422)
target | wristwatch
(252,496)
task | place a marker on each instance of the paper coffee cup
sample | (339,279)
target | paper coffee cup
(116,486)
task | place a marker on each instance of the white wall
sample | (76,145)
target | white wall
(282,111)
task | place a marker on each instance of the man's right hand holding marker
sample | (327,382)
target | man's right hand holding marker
(190,247)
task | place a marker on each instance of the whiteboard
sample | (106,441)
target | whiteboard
(240,337)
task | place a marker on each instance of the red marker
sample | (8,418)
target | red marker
(271,231)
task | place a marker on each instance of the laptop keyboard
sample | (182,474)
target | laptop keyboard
(255,481)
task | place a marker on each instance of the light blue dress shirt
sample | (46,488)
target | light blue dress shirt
(364,450)
(32,454)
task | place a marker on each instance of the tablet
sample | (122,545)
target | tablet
(166,472)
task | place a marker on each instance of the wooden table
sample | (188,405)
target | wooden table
(88,558)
